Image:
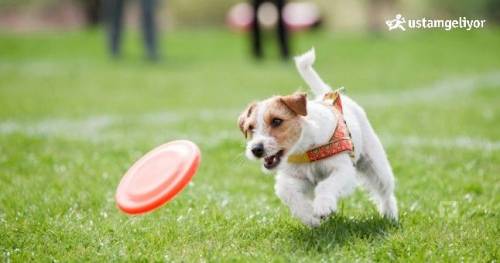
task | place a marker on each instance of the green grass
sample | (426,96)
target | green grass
(72,122)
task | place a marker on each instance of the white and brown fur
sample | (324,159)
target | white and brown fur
(312,190)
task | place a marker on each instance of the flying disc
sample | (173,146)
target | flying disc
(157,177)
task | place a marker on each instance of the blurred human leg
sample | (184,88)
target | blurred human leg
(255,34)
(114,15)
(283,41)
(149,28)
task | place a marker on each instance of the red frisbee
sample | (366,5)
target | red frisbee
(157,177)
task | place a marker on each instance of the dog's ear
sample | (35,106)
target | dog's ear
(296,102)
(244,116)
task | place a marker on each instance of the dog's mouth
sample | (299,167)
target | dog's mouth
(272,161)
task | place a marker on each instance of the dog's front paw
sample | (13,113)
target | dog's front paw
(323,207)
(304,213)
(310,221)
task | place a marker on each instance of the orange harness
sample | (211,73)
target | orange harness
(340,142)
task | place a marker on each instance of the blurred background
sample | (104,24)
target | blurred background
(260,18)
(28,15)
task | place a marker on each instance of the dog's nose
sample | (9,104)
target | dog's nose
(258,150)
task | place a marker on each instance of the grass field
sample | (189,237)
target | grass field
(72,121)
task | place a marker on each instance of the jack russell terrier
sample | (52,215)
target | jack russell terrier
(320,149)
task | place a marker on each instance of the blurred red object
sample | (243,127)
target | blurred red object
(301,15)
(240,17)
(297,16)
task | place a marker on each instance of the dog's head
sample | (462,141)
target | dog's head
(272,127)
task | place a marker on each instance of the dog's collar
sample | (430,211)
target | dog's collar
(340,142)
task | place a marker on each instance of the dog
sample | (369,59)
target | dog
(320,149)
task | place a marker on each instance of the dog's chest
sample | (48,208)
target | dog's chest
(314,172)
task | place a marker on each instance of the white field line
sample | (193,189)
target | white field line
(99,128)
(461,142)
(96,126)
(389,140)
(443,89)
(93,132)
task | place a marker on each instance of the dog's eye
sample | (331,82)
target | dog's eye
(276,122)
(249,131)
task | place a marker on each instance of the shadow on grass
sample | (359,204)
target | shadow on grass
(339,231)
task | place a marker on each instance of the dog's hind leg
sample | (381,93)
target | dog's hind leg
(377,176)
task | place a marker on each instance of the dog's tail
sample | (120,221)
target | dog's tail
(304,64)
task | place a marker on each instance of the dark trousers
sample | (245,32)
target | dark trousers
(114,14)
(281,29)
